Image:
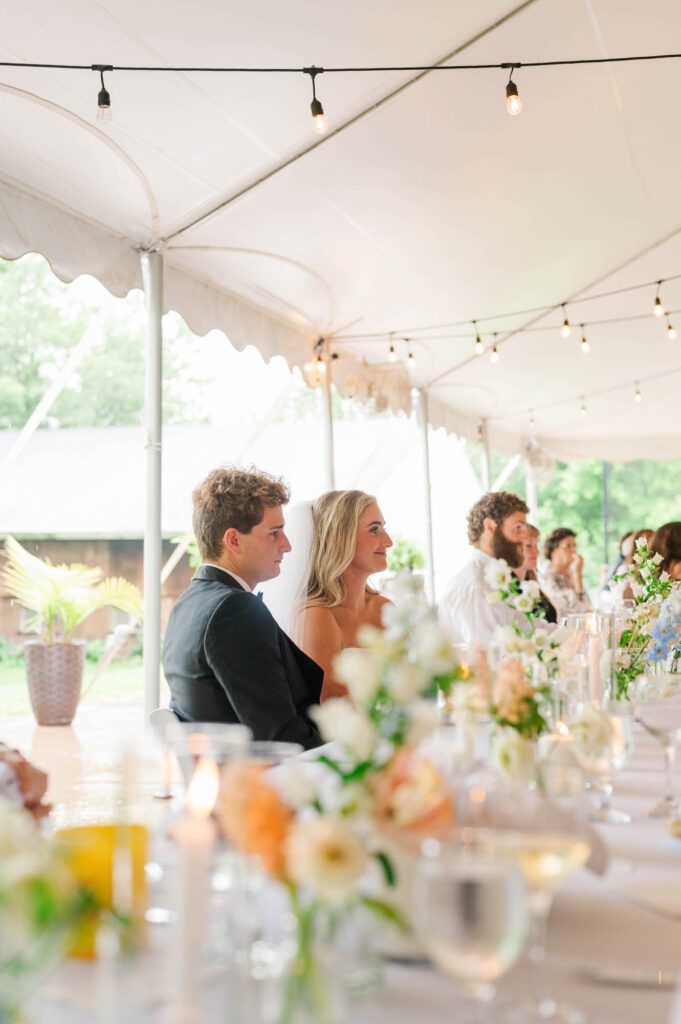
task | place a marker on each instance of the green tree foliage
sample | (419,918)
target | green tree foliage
(642,495)
(40,323)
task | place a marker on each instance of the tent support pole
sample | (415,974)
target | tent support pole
(152,276)
(422,416)
(328,420)
(486,456)
(606,512)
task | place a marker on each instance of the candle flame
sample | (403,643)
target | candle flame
(203,789)
(562,729)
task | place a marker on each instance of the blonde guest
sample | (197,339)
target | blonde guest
(350,543)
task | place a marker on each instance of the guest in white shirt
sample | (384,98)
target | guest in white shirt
(497,527)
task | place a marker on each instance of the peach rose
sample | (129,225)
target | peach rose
(253,817)
(411,794)
(512,692)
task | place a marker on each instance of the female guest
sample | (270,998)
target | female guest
(350,544)
(667,542)
(561,577)
(528,570)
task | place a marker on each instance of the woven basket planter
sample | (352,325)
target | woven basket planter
(54,673)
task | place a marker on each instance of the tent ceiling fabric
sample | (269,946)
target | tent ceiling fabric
(434,206)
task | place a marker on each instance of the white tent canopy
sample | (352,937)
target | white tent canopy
(425,204)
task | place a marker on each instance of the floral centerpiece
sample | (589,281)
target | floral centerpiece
(318,828)
(650,588)
(529,657)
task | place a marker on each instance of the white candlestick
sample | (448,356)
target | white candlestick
(594,666)
(194,834)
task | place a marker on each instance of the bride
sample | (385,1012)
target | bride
(322,596)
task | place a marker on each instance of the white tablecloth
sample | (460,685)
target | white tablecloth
(594,922)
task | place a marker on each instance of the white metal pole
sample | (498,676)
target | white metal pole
(328,420)
(422,415)
(152,276)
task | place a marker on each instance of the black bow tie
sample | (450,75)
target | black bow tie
(259,595)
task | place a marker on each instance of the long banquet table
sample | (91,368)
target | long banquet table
(595,923)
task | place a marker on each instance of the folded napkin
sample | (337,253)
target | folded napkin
(661,895)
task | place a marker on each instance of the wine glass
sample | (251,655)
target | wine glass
(658,708)
(471,916)
(545,859)
(602,744)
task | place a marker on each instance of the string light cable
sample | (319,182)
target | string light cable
(513,102)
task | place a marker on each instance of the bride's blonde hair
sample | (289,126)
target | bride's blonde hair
(335,516)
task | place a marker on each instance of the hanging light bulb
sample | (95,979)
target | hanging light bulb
(319,121)
(532,422)
(671,333)
(411,359)
(658,308)
(638,397)
(103,98)
(585,346)
(479,347)
(582,408)
(392,354)
(565,329)
(513,102)
(494,355)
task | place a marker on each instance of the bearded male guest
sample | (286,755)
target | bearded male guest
(224,656)
(497,527)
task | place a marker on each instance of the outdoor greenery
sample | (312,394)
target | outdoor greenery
(642,495)
(63,596)
(405,554)
(41,323)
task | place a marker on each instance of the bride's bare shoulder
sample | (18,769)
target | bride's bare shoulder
(319,618)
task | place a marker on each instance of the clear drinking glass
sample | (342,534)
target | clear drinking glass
(545,859)
(604,751)
(471,916)
(658,709)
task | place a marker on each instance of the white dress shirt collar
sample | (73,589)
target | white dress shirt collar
(229,572)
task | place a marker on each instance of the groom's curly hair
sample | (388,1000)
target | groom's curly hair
(232,497)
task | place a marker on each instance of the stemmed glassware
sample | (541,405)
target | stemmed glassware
(658,709)
(470,913)
(545,859)
(602,744)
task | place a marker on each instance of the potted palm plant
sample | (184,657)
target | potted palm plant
(61,596)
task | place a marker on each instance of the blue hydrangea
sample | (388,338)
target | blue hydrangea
(666,632)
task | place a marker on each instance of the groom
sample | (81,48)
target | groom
(224,656)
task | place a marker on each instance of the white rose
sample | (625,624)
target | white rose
(593,733)
(339,722)
(295,783)
(432,648)
(360,670)
(423,721)
(406,682)
(498,574)
(326,855)
(531,588)
(512,756)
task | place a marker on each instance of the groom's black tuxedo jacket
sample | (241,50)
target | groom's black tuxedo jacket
(227,660)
